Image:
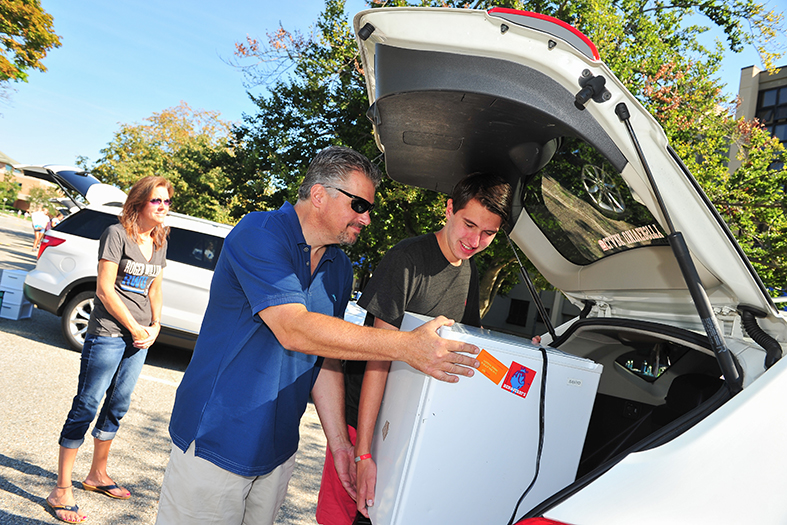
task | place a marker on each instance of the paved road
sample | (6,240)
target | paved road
(37,382)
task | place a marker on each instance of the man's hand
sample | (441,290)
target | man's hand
(367,480)
(438,357)
(344,462)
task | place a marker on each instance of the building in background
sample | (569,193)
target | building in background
(23,182)
(763,96)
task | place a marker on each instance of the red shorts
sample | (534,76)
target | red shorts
(334,505)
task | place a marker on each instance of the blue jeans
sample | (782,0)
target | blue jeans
(111,366)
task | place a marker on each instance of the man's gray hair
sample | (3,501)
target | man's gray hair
(332,165)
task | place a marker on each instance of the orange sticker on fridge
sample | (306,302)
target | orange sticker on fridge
(491,367)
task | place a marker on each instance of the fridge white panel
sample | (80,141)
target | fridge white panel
(465,452)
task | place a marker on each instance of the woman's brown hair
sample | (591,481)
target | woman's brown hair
(138,198)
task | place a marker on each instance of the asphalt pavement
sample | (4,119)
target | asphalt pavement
(38,379)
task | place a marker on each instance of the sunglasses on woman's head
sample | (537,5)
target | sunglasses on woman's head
(358,204)
(157,202)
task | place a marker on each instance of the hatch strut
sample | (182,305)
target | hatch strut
(727,362)
(533,293)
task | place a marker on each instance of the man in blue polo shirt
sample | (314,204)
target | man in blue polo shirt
(279,286)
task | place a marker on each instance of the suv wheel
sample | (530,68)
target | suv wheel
(75,317)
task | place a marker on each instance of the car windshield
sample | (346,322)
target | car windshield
(582,204)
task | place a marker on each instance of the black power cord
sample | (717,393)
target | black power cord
(541,411)
(544,361)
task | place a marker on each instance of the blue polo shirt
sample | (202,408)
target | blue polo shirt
(243,394)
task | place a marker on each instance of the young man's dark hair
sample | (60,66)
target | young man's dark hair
(491,190)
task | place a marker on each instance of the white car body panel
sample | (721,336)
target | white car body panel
(725,469)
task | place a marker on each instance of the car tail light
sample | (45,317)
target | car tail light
(539,521)
(48,241)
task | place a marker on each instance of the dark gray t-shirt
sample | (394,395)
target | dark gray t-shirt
(414,276)
(135,275)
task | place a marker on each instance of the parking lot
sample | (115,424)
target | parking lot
(38,381)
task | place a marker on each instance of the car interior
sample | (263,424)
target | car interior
(652,377)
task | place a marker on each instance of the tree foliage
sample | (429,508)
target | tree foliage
(188,147)
(41,197)
(26,35)
(8,189)
(317,97)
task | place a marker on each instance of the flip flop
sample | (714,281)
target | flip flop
(104,489)
(69,508)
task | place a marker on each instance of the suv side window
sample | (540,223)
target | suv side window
(194,248)
(87,223)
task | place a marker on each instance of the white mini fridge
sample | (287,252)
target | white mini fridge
(464,453)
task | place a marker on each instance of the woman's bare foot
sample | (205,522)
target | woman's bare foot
(61,501)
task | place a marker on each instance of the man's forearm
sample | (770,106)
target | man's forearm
(299,330)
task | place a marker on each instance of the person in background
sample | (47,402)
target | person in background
(433,274)
(54,221)
(277,299)
(40,220)
(123,324)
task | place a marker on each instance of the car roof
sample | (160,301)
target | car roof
(453,91)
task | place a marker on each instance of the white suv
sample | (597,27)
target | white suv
(64,279)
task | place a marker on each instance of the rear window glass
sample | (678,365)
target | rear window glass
(87,223)
(193,248)
(584,207)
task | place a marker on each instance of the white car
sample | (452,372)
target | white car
(693,391)
(64,279)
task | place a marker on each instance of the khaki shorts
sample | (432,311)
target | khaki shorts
(197,491)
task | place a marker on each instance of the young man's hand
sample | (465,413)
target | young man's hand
(367,480)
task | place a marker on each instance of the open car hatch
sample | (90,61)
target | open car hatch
(455,91)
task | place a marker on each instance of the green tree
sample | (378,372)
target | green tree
(26,35)
(8,190)
(40,197)
(317,96)
(188,147)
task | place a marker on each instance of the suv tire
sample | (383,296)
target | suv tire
(76,314)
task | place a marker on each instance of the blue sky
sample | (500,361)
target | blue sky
(120,62)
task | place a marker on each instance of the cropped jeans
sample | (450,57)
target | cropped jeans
(110,366)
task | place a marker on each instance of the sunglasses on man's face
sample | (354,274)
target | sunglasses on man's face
(358,204)
(157,202)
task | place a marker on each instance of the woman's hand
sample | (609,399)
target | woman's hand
(147,336)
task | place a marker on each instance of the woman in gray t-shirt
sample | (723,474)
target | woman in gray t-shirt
(123,324)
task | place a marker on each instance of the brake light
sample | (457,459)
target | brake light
(539,521)
(48,241)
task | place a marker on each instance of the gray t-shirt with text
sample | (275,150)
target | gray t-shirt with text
(135,275)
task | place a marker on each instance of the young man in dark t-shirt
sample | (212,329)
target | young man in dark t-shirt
(433,275)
